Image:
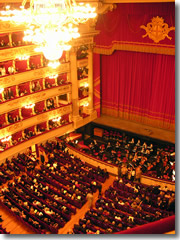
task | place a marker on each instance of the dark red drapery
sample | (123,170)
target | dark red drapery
(120,28)
(96,83)
(139,87)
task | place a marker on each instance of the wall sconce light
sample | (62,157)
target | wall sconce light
(6,139)
(85,104)
(31,105)
(57,119)
(86,84)
(23,58)
(53,76)
(1,90)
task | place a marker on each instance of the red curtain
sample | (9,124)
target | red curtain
(17,37)
(14,113)
(96,83)
(120,28)
(6,65)
(24,86)
(40,82)
(21,65)
(17,135)
(39,106)
(36,60)
(2,120)
(4,37)
(139,87)
(26,112)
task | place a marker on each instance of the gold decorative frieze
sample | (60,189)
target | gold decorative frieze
(9,130)
(82,101)
(55,113)
(82,63)
(9,27)
(19,78)
(82,41)
(33,98)
(157,29)
(37,140)
(82,82)
(16,52)
(45,72)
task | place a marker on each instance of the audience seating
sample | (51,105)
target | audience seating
(44,195)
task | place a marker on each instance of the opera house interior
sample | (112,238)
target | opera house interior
(87,117)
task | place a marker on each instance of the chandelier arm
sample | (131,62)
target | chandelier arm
(24,2)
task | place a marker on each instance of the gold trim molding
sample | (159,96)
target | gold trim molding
(33,98)
(16,52)
(133,47)
(9,130)
(31,75)
(7,27)
(38,139)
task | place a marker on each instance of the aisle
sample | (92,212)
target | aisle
(81,212)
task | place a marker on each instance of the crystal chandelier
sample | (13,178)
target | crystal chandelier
(51,24)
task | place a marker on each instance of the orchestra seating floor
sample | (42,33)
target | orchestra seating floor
(14,226)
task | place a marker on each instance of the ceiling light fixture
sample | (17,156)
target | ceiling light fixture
(51,24)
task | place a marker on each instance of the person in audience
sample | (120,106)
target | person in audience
(89,197)
(138,173)
(2,71)
(11,70)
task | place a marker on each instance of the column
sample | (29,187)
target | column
(55,80)
(6,118)
(74,81)
(67,56)
(17,91)
(3,98)
(43,83)
(57,102)
(68,77)
(42,61)
(28,66)
(14,65)
(69,98)
(90,78)
(33,111)
(20,114)
(30,86)
(10,39)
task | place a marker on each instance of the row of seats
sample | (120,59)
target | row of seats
(48,194)
(124,206)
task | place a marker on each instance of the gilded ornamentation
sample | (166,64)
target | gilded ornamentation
(4,25)
(33,120)
(103,8)
(13,53)
(83,62)
(157,30)
(35,97)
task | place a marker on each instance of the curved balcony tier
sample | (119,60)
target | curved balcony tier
(30,75)
(22,101)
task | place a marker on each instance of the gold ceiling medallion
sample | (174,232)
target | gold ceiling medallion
(157,30)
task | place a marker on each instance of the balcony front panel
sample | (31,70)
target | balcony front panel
(86,39)
(31,75)
(83,100)
(9,27)
(82,82)
(33,98)
(9,130)
(82,63)
(12,151)
(16,52)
